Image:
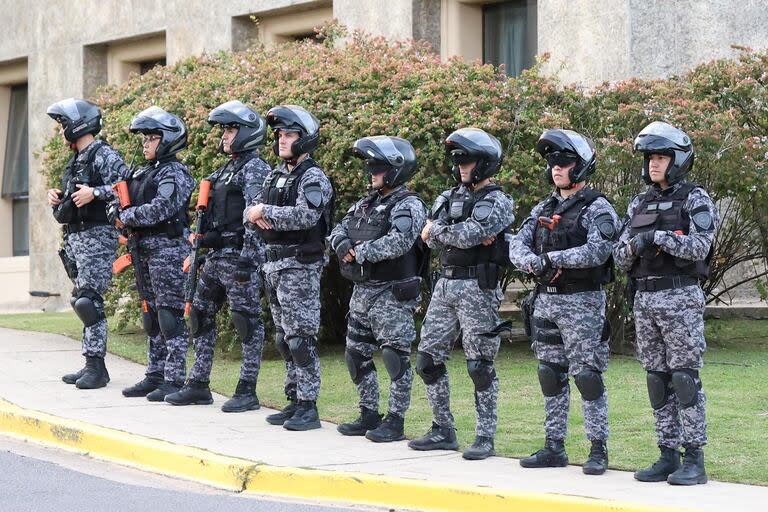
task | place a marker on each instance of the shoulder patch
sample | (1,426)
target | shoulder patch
(702,219)
(482,210)
(314,194)
(402,221)
(605,225)
(166,188)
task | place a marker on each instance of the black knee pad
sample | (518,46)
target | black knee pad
(396,361)
(150,323)
(244,324)
(300,350)
(590,384)
(553,378)
(659,388)
(686,384)
(88,306)
(199,323)
(171,322)
(358,365)
(482,373)
(282,346)
(427,369)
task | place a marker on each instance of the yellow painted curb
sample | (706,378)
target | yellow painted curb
(244,475)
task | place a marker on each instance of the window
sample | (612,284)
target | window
(277,26)
(113,62)
(149,64)
(509,35)
(16,169)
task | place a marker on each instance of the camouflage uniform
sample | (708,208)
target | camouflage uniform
(93,249)
(217,279)
(569,328)
(376,316)
(293,287)
(162,257)
(669,323)
(460,307)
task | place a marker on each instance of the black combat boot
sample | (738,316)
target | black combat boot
(438,438)
(166,388)
(194,392)
(481,449)
(244,399)
(668,463)
(551,456)
(150,383)
(94,375)
(692,472)
(368,420)
(305,417)
(287,413)
(71,378)
(391,429)
(597,462)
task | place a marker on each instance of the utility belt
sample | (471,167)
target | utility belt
(168,230)
(77,227)
(655,284)
(564,289)
(487,274)
(306,253)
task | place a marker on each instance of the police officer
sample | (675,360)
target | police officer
(380,250)
(469,227)
(232,262)
(293,213)
(666,247)
(160,191)
(566,244)
(89,241)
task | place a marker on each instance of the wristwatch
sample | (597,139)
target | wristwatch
(97,193)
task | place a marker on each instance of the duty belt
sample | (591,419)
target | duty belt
(647,284)
(564,289)
(77,227)
(454,272)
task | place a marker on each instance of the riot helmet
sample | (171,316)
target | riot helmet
(77,117)
(561,147)
(251,127)
(293,118)
(467,145)
(659,138)
(384,154)
(155,120)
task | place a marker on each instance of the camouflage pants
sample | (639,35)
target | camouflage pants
(215,283)
(670,336)
(294,299)
(93,251)
(377,317)
(460,307)
(579,318)
(162,266)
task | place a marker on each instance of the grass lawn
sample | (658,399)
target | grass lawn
(734,379)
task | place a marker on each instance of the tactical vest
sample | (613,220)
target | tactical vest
(659,211)
(568,233)
(371,221)
(282,190)
(83,173)
(460,206)
(142,188)
(227,202)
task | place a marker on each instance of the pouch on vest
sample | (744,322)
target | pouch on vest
(407,290)
(487,276)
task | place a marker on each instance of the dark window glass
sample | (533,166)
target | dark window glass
(16,169)
(21,227)
(149,64)
(509,35)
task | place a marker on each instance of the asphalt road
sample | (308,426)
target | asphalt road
(39,479)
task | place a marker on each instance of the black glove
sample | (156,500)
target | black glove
(642,244)
(212,240)
(113,212)
(244,270)
(541,265)
(343,248)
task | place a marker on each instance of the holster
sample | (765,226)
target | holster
(487,276)
(526,311)
(70,266)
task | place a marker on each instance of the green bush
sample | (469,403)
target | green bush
(372,86)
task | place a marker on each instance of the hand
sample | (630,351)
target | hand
(540,265)
(262,223)
(83,195)
(255,213)
(350,256)
(53,197)
(489,241)
(244,270)
(642,244)
(343,249)
(425,231)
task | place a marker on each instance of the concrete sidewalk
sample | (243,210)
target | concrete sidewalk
(33,363)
